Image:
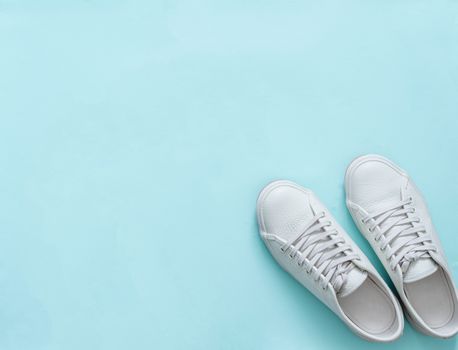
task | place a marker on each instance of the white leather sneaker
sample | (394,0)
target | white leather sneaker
(307,242)
(391,213)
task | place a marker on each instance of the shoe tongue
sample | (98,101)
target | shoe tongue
(398,241)
(355,278)
(419,269)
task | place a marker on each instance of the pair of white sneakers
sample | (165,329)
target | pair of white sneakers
(390,212)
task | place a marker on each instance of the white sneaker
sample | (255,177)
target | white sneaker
(391,213)
(307,242)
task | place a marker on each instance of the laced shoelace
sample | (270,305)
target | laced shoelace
(322,252)
(416,243)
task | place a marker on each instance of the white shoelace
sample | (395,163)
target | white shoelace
(416,243)
(322,252)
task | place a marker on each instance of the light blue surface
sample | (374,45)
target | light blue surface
(135,136)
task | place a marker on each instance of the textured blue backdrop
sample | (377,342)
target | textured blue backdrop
(135,136)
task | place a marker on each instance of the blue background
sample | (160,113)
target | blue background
(135,137)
